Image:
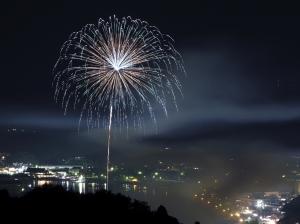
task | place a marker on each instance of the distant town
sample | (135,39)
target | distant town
(78,174)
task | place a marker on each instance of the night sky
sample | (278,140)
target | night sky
(241,97)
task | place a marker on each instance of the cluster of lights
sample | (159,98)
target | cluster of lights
(219,206)
(260,204)
(131,179)
(12,170)
(244,214)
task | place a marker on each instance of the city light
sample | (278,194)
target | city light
(260,204)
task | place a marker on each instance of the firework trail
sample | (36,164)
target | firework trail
(115,72)
(108,147)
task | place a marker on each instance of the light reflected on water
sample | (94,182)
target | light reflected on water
(81,188)
(93,187)
(67,185)
(134,188)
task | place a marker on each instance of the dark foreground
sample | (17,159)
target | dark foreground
(54,204)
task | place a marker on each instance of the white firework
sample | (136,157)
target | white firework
(117,71)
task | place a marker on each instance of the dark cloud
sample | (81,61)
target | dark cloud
(282,133)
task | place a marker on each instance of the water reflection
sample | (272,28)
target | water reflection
(81,188)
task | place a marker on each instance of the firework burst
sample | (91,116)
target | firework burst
(117,71)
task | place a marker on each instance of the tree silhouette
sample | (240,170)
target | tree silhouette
(55,204)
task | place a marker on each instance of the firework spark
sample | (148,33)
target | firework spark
(116,71)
